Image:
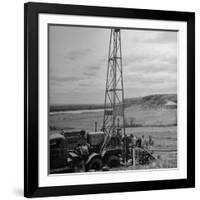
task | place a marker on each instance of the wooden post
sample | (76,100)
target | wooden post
(133,157)
(95,128)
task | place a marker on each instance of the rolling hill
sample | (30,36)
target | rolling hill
(150,101)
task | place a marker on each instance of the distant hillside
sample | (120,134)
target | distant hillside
(56,108)
(150,101)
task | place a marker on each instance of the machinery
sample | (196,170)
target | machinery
(114,120)
(81,151)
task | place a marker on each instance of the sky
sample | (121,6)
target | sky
(78,63)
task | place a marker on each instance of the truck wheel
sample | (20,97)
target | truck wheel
(79,166)
(95,163)
(113,161)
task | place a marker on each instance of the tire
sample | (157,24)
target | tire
(79,166)
(95,164)
(113,161)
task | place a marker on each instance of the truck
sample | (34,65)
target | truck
(80,151)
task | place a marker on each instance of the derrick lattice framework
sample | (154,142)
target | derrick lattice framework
(113,121)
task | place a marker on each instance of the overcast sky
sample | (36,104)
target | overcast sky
(78,63)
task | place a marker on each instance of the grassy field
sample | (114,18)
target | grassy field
(159,122)
(135,116)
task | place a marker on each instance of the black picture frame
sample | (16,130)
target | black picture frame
(31,83)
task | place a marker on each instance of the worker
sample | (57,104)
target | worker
(151,142)
(119,133)
(126,141)
(133,140)
(138,142)
(143,142)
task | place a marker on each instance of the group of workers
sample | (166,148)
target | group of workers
(141,141)
(132,141)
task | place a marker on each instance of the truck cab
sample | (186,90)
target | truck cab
(57,153)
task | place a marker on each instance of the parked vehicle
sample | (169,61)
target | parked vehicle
(81,151)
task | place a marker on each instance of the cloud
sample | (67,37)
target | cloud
(94,68)
(152,67)
(138,58)
(67,78)
(154,37)
(150,63)
(150,56)
(171,59)
(89,73)
(163,38)
(85,84)
(148,79)
(75,54)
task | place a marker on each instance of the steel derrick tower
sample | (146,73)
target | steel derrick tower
(113,120)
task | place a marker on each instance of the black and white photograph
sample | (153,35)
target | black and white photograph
(109,99)
(113,96)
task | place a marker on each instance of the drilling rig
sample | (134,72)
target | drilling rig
(114,119)
(114,92)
